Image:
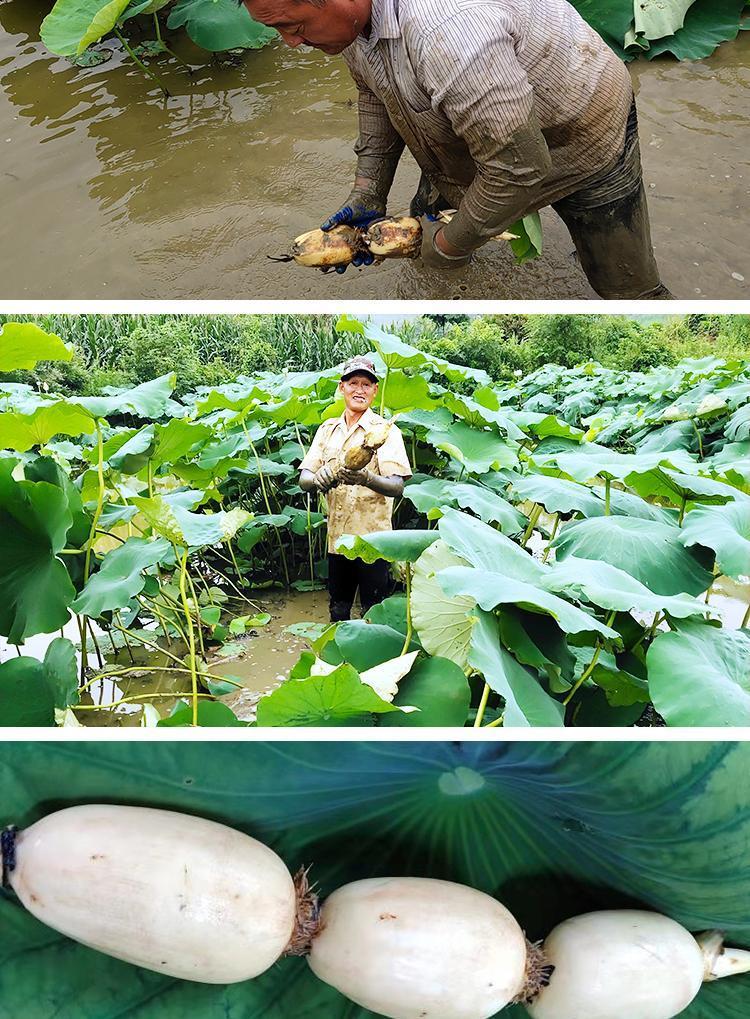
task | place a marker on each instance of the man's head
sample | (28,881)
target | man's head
(329,25)
(359,384)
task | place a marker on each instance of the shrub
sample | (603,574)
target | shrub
(156,348)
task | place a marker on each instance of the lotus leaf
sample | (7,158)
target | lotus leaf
(701,676)
(23,344)
(649,551)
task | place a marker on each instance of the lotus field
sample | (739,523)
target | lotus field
(563,550)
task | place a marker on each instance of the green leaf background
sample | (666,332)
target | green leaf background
(551,829)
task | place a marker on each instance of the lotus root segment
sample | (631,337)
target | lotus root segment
(357,457)
(324,249)
(395,238)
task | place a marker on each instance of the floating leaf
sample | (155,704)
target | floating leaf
(340,698)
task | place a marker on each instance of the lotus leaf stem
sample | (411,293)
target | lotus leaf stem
(407,640)
(482,706)
(146,70)
(191,632)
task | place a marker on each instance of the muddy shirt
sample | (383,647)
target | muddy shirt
(506,105)
(354,509)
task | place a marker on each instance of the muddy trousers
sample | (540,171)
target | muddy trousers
(608,221)
(346,575)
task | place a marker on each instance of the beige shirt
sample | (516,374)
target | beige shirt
(354,509)
(507,105)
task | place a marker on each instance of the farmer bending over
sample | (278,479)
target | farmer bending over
(359,502)
(507,106)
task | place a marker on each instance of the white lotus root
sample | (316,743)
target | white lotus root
(629,964)
(177,894)
(418,948)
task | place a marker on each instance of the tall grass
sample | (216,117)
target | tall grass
(303,342)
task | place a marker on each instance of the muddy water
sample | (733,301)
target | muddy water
(108,191)
(268,654)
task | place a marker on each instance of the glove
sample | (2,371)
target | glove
(432,257)
(324,479)
(427,201)
(366,203)
(355,477)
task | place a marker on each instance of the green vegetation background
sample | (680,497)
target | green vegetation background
(208,350)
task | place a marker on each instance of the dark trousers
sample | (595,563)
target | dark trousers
(608,221)
(346,575)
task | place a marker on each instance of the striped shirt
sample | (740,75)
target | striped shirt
(506,105)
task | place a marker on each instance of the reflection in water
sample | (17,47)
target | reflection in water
(144,197)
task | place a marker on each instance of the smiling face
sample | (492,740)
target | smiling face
(329,26)
(359,391)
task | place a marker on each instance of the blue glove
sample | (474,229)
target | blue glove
(360,209)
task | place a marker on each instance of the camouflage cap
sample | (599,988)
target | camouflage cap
(359,364)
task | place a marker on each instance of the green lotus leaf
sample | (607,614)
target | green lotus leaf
(726,530)
(219,25)
(134,454)
(625,504)
(210,713)
(407,392)
(602,584)
(708,23)
(489,507)
(649,551)
(428,494)
(364,645)
(738,426)
(23,431)
(438,688)
(528,241)
(339,698)
(701,676)
(444,624)
(663,483)
(534,641)
(177,438)
(654,19)
(23,344)
(550,829)
(393,546)
(679,435)
(26,694)
(121,576)
(612,19)
(61,670)
(34,520)
(558,495)
(194,530)
(526,702)
(487,548)
(148,400)
(45,469)
(622,688)
(395,353)
(73,25)
(478,451)
(492,589)
(585,466)
(300,521)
